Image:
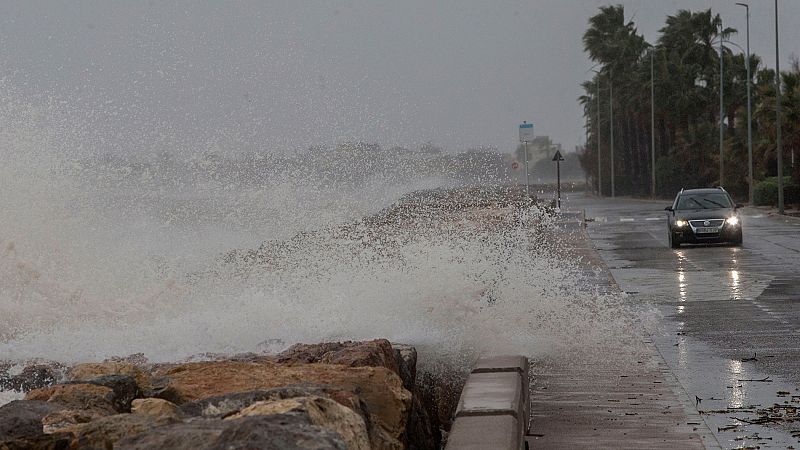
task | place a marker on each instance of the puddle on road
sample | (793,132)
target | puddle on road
(689,285)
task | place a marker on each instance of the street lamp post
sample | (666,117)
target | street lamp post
(721,109)
(599,166)
(779,148)
(722,40)
(652,128)
(611,122)
(749,112)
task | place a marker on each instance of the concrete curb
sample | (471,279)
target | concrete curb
(494,409)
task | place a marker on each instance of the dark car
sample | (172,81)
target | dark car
(700,216)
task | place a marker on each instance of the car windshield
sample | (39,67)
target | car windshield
(704,201)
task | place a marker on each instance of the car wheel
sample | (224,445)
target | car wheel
(673,243)
(737,241)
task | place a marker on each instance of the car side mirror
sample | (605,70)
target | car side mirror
(668,208)
(739,205)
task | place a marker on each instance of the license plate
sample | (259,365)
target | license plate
(707,230)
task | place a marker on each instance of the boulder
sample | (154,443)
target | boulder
(68,420)
(224,405)
(155,408)
(124,386)
(41,442)
(439,393)
(77,396)
(160,388)
(320,411)
(23,419)
(381,389)
(406,357)
(227,404)
(91,371)
(275,432)
(104,432)
(421,432)
(377,353)
(196,435)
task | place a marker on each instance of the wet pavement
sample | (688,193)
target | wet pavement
(619,394)
(727,322)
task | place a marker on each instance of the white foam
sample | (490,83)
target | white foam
(102,258)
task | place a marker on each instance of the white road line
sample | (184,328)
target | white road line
(626,219)
(651,219)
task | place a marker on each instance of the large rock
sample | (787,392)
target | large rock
(320,411)
(23,419)
(439,393)
(406,357)
(68,420)
(197,435)
(380,388)
(77,396)
(377,353)
(104,432)
(124,386)
(224,405)
(42,442)
(278,432)
(422,433)
(275,432)
(91,371)
(79,403)
(228,404)
(155,408)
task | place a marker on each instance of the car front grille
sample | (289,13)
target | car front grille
(714,223)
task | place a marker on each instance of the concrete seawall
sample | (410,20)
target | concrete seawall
(494,407)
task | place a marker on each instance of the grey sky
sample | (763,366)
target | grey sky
(283,75)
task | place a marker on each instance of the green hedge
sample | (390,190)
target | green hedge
(765,193)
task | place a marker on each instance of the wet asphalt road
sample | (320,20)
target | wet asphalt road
(726,320)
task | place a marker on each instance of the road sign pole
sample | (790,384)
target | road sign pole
(558,184)
(525,136)
(558,158)
(527,181)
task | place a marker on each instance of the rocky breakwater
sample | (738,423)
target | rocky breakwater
(344,395)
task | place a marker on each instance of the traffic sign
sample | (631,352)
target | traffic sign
(514,165)
(526,132)
(558,158)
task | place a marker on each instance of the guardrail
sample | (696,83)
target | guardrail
(494,409)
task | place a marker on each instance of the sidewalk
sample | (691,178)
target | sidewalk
(620,398)
(790,214)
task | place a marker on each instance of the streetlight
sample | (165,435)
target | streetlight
(721,107)
(599,167)
(611,122)
(721,99)
(599,160)
(779,148)
(749,111)
(652,127)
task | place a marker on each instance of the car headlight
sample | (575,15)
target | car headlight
(681,223)
(733,220)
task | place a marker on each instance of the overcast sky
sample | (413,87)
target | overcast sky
(283,75)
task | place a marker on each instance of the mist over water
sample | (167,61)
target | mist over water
(179,253)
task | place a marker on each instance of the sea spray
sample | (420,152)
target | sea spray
(183,253)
